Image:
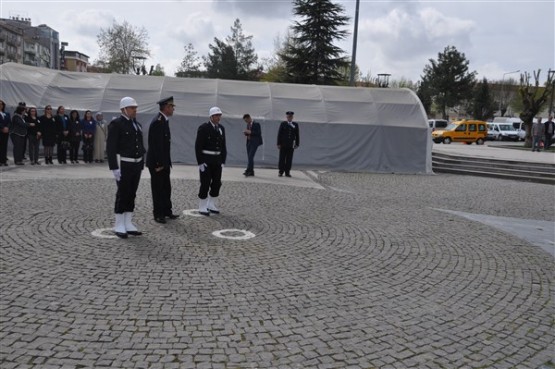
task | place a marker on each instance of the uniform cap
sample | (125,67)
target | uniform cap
(289,113)
(127,102)
(214,110)
(166,101)
(22,103)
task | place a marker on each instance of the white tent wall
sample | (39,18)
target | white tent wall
(341,128)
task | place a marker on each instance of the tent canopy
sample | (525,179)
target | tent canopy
(341,128)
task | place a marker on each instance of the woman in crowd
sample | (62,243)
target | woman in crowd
(18,131)
(48,130)
(33,134)
(100,138)
(62,133)
(5,121)
(75,134)
(89,128)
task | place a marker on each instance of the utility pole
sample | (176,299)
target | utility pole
(354,56)
(502,101)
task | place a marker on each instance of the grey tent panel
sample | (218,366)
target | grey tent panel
(342,128)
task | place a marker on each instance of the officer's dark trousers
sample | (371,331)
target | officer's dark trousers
(4,147)
(127,186)
(74,150)
(251,151)
(18,147)
(285,159)
(211,179)
(161,187)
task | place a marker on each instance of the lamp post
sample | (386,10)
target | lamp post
(551,75)
(354,56)
(502,102)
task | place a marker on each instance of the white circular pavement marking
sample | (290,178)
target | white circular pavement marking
(193,213)
(100,233)
(244,235)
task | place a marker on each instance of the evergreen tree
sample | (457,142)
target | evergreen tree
(483,104)
(233,58)
(448,79)
(311,57)
(190,65)
(425,95)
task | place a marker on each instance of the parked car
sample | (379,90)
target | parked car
(505,131)
(493,134)
(437,124)
(466,131)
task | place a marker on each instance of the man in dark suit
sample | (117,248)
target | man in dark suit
(288,140)
(211,153)
(125,137)
(159,163)
(253,133)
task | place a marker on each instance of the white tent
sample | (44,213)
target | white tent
(341,128)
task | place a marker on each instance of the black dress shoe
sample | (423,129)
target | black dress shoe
(121,235)
(280,175)
(207,213)
(287,175)
(134,233)
(160,220)
(172,216)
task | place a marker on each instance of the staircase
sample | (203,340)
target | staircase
(515,170)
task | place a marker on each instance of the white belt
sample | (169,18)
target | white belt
(208,152)
(131,160)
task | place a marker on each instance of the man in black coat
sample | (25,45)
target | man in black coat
(211,153)
(159,163)
(253,133)
(288,140)
(125,137)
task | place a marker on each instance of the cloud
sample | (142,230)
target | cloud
(260,8)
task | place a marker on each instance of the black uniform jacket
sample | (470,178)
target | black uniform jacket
(159,139)
(210,140)
(125,140)
(288,136)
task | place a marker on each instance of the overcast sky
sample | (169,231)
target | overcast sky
(396,37)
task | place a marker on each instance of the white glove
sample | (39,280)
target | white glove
(117,174)
(202,167)
(222,166)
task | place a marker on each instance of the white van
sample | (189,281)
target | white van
(502,131)
(440,124)
(515,132)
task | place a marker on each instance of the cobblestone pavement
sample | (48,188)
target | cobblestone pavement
(358,271)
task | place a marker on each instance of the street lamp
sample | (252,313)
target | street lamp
(354,56)
(551,75)
(502,102)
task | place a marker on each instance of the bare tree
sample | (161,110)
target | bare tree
(533,98)
(121,45)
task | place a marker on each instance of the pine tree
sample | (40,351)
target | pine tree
(483,105)
(449,80)
(311,57)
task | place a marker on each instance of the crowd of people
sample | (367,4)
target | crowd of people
(67,133)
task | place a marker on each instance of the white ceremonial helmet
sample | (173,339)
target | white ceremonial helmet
(127,102)
(214,110)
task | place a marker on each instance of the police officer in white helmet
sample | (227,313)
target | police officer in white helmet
(211,153)
(125,138)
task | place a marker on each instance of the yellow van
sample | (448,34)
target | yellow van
(467,131)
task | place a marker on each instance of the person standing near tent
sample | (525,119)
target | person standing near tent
(288,140)
(211,153)
(5,121)
(159,163)
(253,133)
(100,138)
(125,138)
(18,133)
(62,122)
(48,130)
